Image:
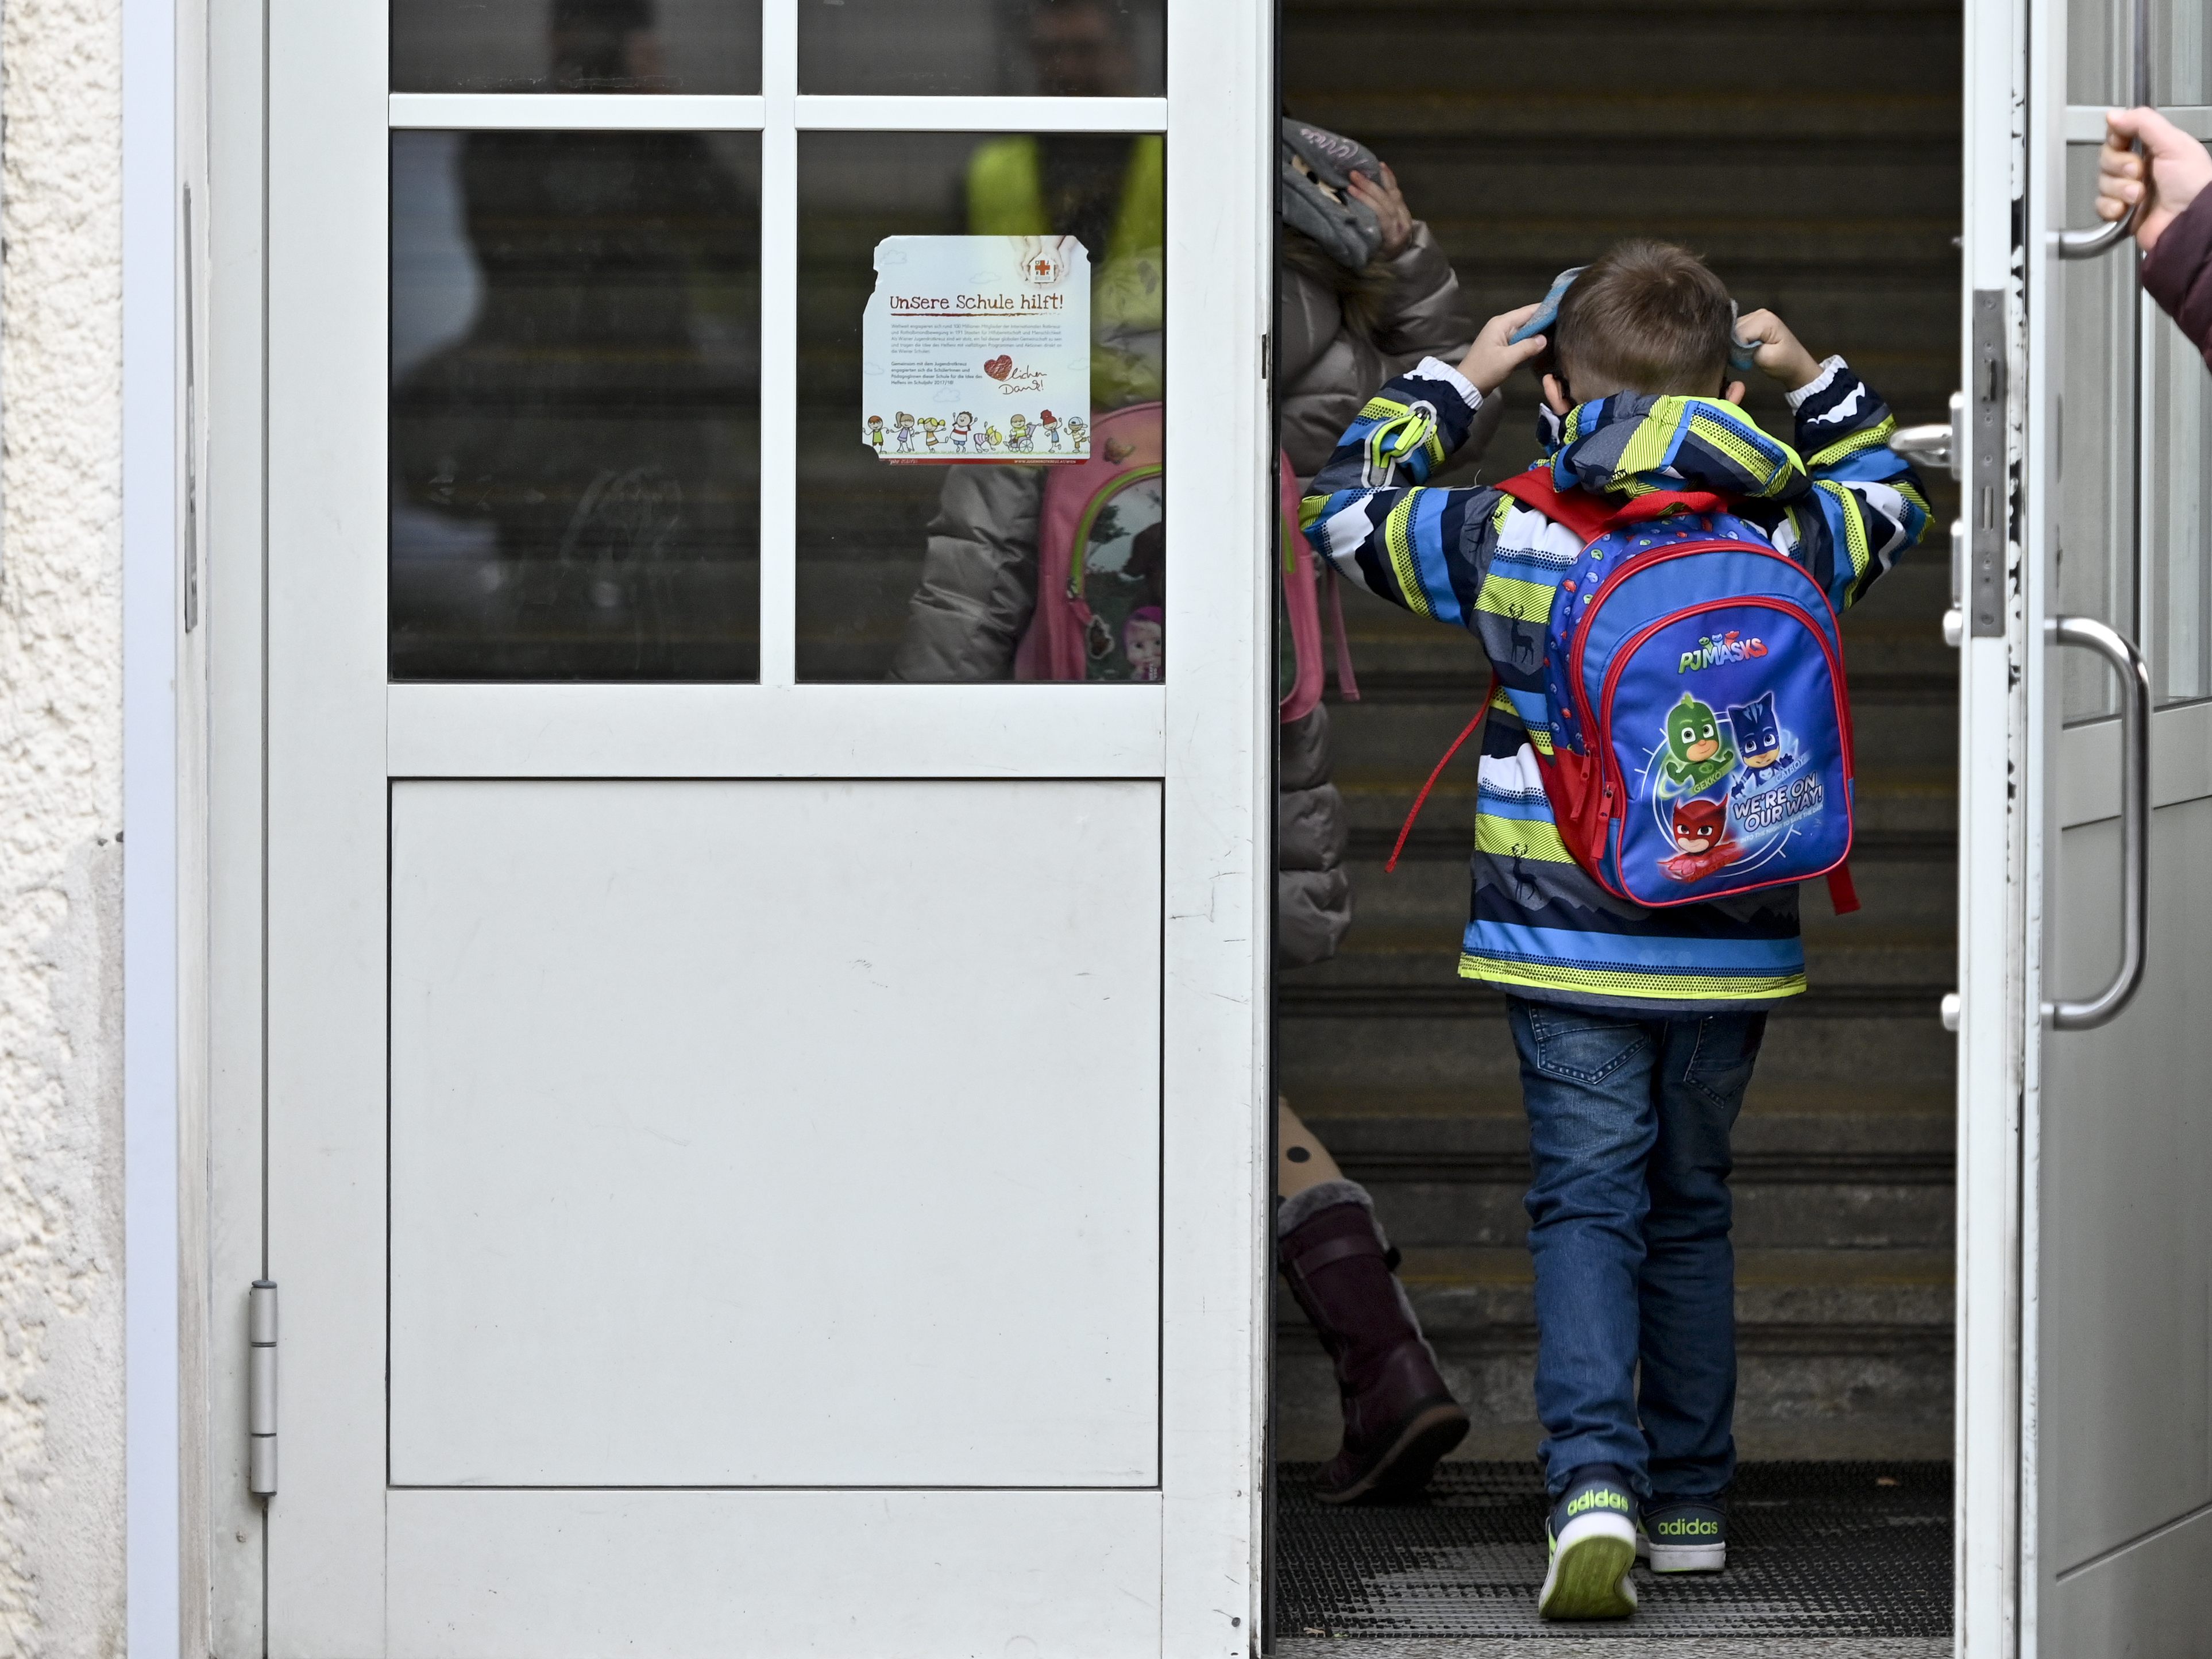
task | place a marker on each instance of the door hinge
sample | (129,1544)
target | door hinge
(261,1389)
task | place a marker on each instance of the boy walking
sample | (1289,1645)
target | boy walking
(1637,1028)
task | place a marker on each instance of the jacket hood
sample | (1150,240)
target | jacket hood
(1632,443)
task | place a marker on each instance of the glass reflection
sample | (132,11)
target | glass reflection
(574,405)
(2181,528)
(931,573)
(1056,48)
(575,45)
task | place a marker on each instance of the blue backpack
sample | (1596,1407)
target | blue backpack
(1700,730)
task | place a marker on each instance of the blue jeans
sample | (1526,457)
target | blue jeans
(1628,1127)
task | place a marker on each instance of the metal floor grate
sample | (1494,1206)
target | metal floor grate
(1815,1550)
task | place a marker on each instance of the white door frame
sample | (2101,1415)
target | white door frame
(159,1265)
(1997,882)
(1216,1178)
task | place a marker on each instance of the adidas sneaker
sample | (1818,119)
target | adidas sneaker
(1592,1533)
(1687,1534)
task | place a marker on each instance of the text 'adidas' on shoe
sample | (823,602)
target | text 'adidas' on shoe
(1592,1532)
(1684,1534)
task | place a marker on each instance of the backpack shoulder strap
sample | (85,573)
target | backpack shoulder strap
(1589,516)
(1580,511)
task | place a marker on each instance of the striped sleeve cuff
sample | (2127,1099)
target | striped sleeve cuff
(1829,370)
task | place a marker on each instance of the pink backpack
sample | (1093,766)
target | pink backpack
(1101,570)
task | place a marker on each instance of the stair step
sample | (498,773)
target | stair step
(1842,1353)
(1453,1037)
(1657,118)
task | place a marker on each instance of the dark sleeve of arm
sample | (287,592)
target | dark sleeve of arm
(1424,315)
(978,587)
(2178,272)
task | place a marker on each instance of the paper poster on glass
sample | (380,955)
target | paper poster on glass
(977,349)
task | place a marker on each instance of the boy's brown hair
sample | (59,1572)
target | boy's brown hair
(1648,317)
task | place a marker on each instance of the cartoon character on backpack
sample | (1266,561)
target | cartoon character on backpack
(1757,737)
(1698,754)
(1702,842)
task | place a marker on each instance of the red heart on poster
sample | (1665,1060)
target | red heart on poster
(1000,367)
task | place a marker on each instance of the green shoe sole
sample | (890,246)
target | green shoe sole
(1589,1576)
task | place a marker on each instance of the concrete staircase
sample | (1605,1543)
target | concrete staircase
(1810,152)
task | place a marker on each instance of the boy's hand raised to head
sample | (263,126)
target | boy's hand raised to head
(1779,354)
(1492,358)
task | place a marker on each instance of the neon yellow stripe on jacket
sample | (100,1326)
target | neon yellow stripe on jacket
(1508,595)
(1869,439)
(1398,538)
(1608,982)
(1520,838)
(1768,471)
(1855,534)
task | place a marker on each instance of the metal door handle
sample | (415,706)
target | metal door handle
(2134,820)
(2089,244)
(1928,445)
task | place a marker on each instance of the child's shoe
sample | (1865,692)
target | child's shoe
(1399,1416)
(1684,1534)
(1592,1533)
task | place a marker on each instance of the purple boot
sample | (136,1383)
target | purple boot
(1399,1416)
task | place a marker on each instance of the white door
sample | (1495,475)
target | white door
(760,1158)
(2085,1269)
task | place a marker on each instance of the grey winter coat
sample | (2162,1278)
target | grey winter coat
(978,586)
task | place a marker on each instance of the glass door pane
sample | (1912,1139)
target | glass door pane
(983,48)
(575,405)
(576,46)
(2178,496)
(922,531)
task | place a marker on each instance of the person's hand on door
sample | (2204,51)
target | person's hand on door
(2180,166)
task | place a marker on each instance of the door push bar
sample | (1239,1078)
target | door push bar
(2089,244)
(2134,820)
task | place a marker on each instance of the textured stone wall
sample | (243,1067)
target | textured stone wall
(61,803)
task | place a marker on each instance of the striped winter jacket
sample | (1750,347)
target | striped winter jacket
(1539,926)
